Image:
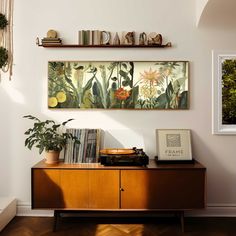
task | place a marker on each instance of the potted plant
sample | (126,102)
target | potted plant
(49,137)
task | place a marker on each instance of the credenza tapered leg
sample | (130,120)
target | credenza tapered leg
(182,220)
(56,218)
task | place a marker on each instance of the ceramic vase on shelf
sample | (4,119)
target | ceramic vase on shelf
(116,40)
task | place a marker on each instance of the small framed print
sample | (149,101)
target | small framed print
(174,145)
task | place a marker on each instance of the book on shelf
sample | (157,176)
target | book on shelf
(89,37)
(51,41)
(88,149)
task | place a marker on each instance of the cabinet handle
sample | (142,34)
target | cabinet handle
(121,189)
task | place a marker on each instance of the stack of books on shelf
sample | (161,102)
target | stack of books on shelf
(88,149)
(90,37)
(51,41)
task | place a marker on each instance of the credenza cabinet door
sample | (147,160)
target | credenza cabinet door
(92,187)
(162,189)
(104,189)
(74,187)
(46,191)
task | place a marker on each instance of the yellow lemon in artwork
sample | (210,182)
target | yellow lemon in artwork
(61,97)
(52,102)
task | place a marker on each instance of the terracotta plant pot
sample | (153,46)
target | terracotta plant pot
(52,157)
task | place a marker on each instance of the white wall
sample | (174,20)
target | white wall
(27,93)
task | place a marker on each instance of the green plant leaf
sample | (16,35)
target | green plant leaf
(46,135)
(65,122)
(125,83)
(87,86)
(124,65)
(114,78)
(123,73)
(161,101)
(183,101)
(169,93)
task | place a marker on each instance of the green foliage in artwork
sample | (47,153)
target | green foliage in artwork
(59,81)
(169,64)
(162,101)
(112,85)
(183,100)
(229,92)
(3,21)
(3,57)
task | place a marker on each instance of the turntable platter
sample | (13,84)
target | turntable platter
(113,151)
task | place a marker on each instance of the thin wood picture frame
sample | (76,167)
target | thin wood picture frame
(173,145)
(138,85)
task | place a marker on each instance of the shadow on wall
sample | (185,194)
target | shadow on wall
(109,141)
(218,177)
(6,147)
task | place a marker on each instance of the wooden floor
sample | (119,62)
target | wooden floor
(42,226)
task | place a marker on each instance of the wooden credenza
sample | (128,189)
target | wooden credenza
(165,187)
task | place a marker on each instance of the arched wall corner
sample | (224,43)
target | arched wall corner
(216,14)
(200,7)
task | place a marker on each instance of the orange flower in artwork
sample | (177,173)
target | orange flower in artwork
(122,94)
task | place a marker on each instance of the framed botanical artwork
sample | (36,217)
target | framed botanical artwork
(118,84)
(173,145)
(224,92)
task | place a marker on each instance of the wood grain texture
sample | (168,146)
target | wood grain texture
(74,186)
(42,226)
(104,189)
(157,189)
(46,190)
(88,166)
(164,187)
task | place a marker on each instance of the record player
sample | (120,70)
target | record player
(123,157)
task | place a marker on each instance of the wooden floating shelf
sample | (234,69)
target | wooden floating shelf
(104,46)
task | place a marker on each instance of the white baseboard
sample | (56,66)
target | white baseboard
(212,210)
(24,209)
(215,210)
(7,210)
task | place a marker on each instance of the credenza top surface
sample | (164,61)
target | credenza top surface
(152,165)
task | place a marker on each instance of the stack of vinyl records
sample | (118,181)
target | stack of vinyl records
(51,41)
(88,149)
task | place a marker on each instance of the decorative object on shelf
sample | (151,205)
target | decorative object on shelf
(129,38)
(85,37)
(106,36)
(116,40)
(6,37)
(52,34)
(154,39)
(90,37)
(118,84)
(224,96)
(173,145)
(97,38)
(51,39)
(48,136)
(143,38)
